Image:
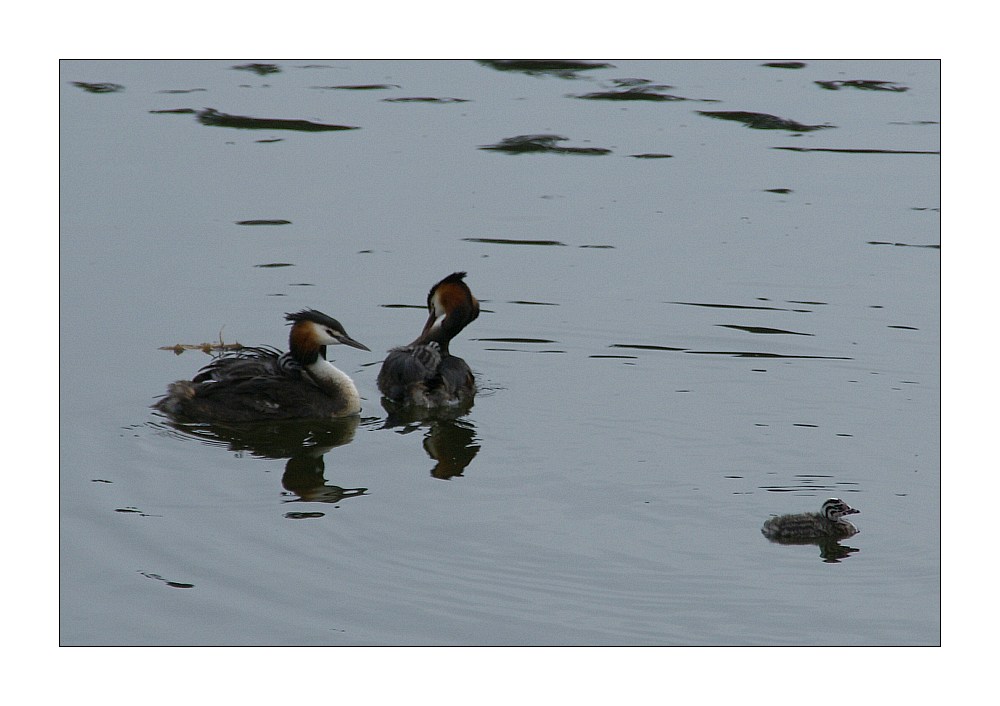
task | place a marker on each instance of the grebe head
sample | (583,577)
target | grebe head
(312,331)
(835,508)
(451,307)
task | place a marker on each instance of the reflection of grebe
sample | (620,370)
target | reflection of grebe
(425,373)
(259,384)
(826,524)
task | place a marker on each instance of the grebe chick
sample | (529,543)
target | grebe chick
(828,523)
(425,373)
(262,384)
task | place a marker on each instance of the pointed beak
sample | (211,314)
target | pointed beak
(851,511)
(348,341)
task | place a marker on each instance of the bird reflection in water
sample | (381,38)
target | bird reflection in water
(302,443)
(449,440)
(831,551)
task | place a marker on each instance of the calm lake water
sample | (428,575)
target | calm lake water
(710,294)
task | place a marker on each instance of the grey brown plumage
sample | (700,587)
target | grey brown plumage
(828,523)
(425,373)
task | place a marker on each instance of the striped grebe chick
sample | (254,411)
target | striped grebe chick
(828,523)
(263,384)
(425,373)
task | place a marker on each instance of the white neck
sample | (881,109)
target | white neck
(335,383)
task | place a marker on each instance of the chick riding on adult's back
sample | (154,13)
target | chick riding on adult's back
(425,373)
(262,384)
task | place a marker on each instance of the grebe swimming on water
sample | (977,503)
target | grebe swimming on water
(425,373)
(828,523)
(261,384)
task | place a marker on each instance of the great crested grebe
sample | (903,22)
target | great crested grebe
(425,373)
(828,523)
(261,384)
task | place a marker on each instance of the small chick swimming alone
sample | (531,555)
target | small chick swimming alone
(263,384)
(828,523)
(424,373)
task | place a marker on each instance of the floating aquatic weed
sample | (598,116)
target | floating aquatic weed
(863,85)
(99,87)
(563,68)
(785,65)
(210,116)
(761,121)
(174,111)
(652,155)
(523,144)
(214,348)
(259,69)
(629,82)
(183,90)
(635,93)
(264,222)
(276,264)
(778,191)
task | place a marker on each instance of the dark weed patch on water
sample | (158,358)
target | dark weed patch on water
(762,121)
(560,68)
(210,116)
(259,69)
(99,87)
(785,65)
(863,85)
(527,144)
